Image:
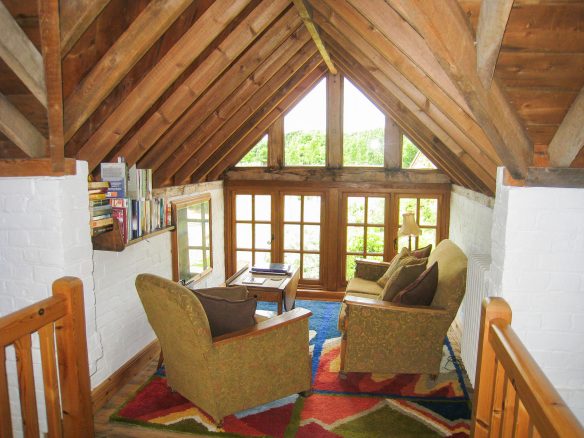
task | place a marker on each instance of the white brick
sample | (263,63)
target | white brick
(556,321)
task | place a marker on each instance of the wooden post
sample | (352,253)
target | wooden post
(334,120)
(276,144)
(28,407)
(492,309)
(73,361)
(392,145)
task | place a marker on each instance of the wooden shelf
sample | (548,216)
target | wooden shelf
(112,240)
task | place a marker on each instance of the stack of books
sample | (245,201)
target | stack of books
(100,210)
(271,269)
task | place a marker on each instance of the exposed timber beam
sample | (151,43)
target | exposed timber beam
(492,22)
(456,53)
(76,16)
(555,177)
(119,60)
(20,54)
(309,23)
(20,131)
(51,48)
(569,138)
(201,34)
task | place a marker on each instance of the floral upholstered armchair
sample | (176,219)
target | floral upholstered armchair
(231,372)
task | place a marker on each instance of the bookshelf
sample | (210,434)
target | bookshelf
(112,241)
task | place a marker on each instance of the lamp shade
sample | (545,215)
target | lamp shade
(409,226)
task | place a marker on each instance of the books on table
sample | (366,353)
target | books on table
(271,268)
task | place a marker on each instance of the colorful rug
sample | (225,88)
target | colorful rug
(363,405)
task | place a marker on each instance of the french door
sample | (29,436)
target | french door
(254,233)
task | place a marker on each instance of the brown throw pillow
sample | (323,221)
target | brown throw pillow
(393,265)
(226,316)
(421,291)
(402,278)
(232,293)
(421,253)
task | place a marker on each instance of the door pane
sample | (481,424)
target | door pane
(407,205)
(263,236)
(292,237)
(428,211)
(262,257)
(243,207)
(428,237)
(244,257)
(350,266)
(263,208)
(312,209)
(243,232)
(292,258)
(311,237)
(375,239)
(355,238)
(376,211)
(311,266)
(292,208)
(355,210)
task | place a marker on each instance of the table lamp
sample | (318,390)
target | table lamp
(409,228)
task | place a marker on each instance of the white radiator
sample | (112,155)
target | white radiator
(477,288)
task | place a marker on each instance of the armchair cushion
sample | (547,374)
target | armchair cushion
(226,316)
(421,291)
(394,264)
(421,253)
(402,278)
(227,293)
(366,287)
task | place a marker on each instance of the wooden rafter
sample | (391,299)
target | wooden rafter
(177,113)
(456,53)
(307,18)
(492,22)
(160,77)
(569,137)
(76,16)
(20,54)
(51,48)
(119,59)
(20,131)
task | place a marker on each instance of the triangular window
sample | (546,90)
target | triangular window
(257,156)
(412,157)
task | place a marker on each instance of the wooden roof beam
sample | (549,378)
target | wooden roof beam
(76,16)
(569,138)
(306,16)
(21,56)
(20,131)
(492,22)
(159,78)
(456,52)
(119,60)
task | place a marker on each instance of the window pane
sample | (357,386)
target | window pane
(311,266)
(291,236)
(412,157)
(194,211)
(363,129)
(292,208)
(428,237)
(263,236)
(355,239)
(196,261)
(407,205)
(243,257)
(355,210)
(292,258)
(350,266)
(312,209)
(376,210)
(375,239)
(195,236)
(312,237)
(376,258)
(257,156)
(305,130)
(263,208)
(402,242)
(207,259)
(243,234)
(243,207)
(263,257)
(428,211)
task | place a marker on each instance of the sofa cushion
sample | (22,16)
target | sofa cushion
(369,289)
(421,253)
(452,275)
(422,290)
(393,265)
(226,316)
(228,293)
(402,278)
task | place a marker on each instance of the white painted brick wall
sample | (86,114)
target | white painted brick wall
(538,267)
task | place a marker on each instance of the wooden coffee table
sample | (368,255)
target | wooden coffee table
(279,289)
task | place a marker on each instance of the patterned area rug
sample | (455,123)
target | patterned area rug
(363,405)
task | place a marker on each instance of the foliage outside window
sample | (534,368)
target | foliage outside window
(253,229)
(363,129)
(426,215)
(412,157)
(305,130)
(192,253)
(257,156)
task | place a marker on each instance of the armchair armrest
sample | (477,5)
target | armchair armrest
(370,269)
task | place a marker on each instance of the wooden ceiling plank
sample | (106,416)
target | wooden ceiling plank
(119,60)
(446,31)
(51,48)
(569,137)
(247,137)
(76,17)
(20,54)
(20,131)
(189,106)
(311,27)
(35,167)
(257,108)
(160,77)
(492,22)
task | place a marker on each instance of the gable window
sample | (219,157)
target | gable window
(257,156)
(305,130)
(192,238)
(363,129)
(412,157)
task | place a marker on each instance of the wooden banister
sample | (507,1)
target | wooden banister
(60,318)
(513,397)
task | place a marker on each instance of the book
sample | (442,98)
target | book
(121,215)
(100,230)
(96,196)
(253,280)
(98,185)
(117,176)
(271,268)
(101,216)
(98,203)
(101,222)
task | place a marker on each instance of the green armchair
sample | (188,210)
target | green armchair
(383,337)
(232,372)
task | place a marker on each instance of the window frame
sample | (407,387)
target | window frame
(180,204)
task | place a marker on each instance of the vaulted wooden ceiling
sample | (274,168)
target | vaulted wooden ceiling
(187,87)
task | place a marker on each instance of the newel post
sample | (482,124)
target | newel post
(493,308)
(73,360)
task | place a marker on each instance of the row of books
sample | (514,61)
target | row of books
(100,210)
